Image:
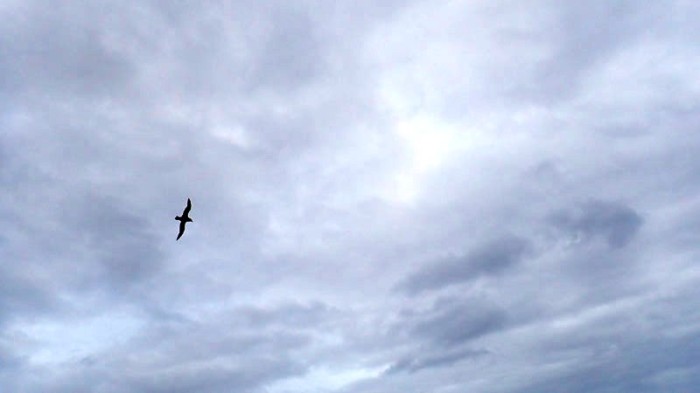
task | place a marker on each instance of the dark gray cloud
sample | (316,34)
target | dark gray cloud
(615,223)
(488,259)
(387,197)
(447,359)
(453,322)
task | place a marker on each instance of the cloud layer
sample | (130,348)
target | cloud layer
(387,197)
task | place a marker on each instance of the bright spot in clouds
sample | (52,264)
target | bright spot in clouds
(429,143)
(71,341)
(323,380)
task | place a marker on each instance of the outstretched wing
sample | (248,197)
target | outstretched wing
(187,209)
(182,230)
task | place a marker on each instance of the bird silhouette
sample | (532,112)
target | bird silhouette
(184,219)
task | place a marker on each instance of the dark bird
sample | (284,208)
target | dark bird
(184,219)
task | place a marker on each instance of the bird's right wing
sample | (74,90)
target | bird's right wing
(189,206)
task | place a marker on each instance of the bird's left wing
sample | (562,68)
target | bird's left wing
(182,230)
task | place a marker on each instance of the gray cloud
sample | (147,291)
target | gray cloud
(22,294)
(244,350)
(291,55)
(491,258)
(80,65)
(456,321)
(416,364)
(620,359)
(615,223)
(118,249)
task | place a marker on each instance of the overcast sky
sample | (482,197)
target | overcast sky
(389,196)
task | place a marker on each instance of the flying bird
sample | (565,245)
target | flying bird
(184,219)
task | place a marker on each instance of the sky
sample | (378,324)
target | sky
(403,196)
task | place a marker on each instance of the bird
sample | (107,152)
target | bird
(184,219)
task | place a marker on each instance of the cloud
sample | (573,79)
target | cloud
(413,365)
(245,349)
(81,65)
(615,223)
(616,358)
(456,321)
(486,196)
(21,295)
(489,259)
